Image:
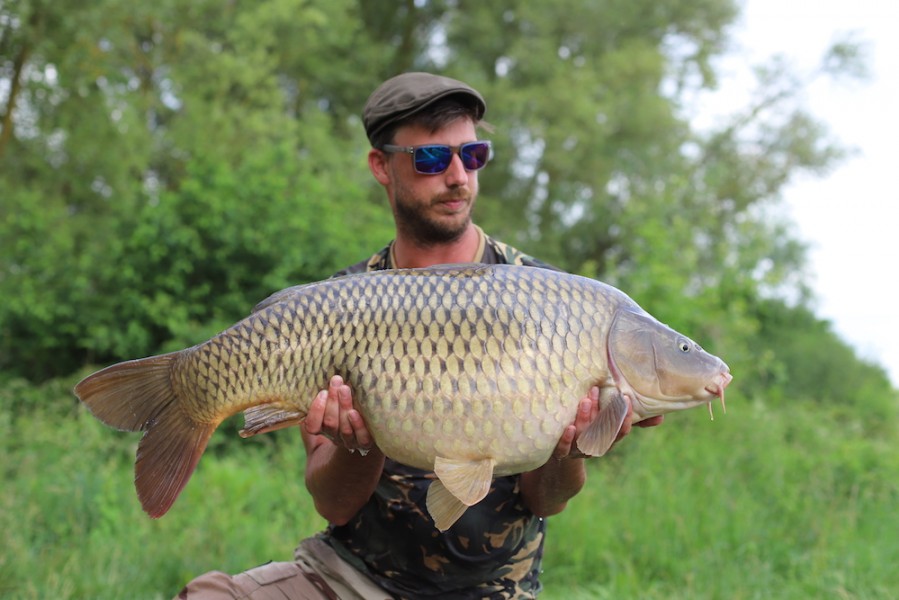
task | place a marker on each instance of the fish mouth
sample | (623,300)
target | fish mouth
(716,389)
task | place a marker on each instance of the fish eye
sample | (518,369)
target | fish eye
(684,345)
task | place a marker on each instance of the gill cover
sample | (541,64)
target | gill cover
(657,362)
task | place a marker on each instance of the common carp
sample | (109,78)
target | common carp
(470,371)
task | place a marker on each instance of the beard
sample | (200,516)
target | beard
(419,221)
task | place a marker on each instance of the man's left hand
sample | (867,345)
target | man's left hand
(588,409)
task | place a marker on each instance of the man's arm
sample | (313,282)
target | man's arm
(340,481)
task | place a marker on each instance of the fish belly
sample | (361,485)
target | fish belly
(469,365)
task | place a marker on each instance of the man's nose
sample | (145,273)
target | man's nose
(456,173)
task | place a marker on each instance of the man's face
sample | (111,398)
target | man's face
(432,209)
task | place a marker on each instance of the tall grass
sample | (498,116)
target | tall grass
(767,502)
(788,501)
(72,526)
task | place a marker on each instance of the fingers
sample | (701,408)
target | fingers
(594,403)
(331,419)
(563,448)
(364,440)
(332,415)
(353,431)
(315,417)
(587,410)
(651,421)
(338,390)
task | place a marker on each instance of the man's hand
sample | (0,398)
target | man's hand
(340,482)
(587,411)
(332,415)
(547,489)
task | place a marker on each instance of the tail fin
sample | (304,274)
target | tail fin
(137,395)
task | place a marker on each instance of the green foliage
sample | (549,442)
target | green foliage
(71,520)
(804,358)
(185,191)
(773,500)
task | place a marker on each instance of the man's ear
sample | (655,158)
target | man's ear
(377,164)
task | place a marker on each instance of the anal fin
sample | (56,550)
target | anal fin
(264,418)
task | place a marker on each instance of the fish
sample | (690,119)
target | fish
(470,371)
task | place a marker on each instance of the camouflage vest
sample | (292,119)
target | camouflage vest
(493,551)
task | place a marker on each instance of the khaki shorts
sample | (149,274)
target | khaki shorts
(317,573)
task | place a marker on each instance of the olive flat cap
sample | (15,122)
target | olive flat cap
(408,93)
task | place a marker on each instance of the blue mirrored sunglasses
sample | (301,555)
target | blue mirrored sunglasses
(433,159)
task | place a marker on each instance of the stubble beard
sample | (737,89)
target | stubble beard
(413,220)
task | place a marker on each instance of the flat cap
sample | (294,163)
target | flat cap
(408,93)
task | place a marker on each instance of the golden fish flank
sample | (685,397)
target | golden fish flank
(470,371)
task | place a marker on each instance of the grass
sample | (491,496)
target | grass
(72,526)
(787,501)
(760,504)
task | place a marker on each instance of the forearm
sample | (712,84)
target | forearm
(546,491)
(339,481)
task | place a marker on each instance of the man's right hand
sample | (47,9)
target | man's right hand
(340,482)
(332,415)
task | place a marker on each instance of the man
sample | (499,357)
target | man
(381,543)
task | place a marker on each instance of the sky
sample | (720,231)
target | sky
(849,217)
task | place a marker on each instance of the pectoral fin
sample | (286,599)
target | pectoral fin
(601,433)
(461,483)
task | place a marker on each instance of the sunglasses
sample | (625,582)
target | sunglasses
(434,159)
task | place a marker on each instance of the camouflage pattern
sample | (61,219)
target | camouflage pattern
(493,551)
(490,252)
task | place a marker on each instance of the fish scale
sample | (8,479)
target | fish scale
(472,371)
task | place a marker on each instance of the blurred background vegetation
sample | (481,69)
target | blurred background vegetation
(166,165)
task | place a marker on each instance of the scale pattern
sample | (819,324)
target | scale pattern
(469,362)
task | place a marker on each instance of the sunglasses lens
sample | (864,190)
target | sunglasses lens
(475,155)
(432,159)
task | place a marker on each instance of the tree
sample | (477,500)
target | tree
(161,184)
(168,165)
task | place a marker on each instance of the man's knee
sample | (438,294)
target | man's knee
(271,581)
(213,585)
